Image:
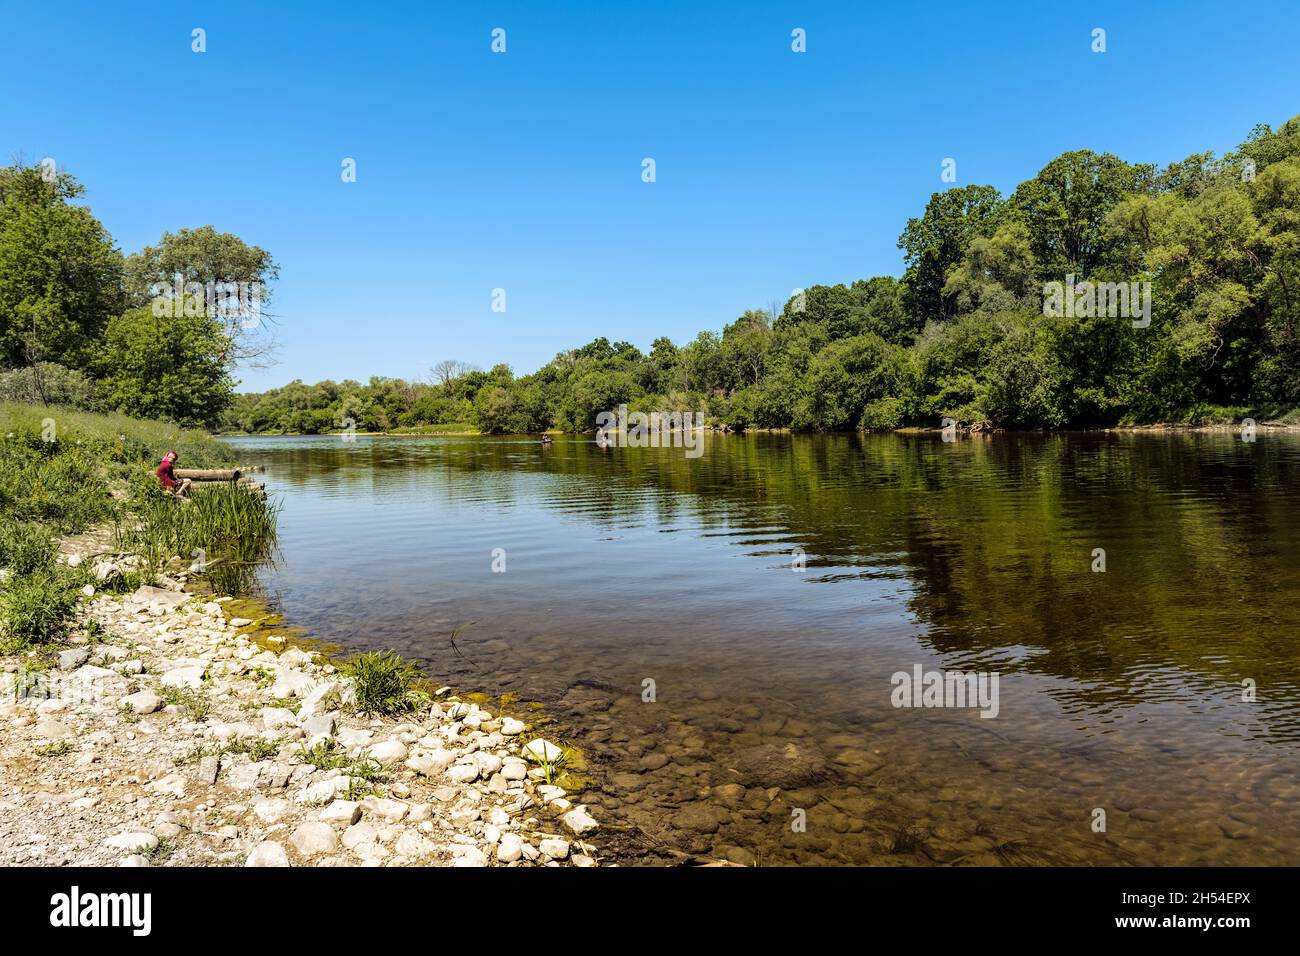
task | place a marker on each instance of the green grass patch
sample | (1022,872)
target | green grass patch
(386,683)
(35,609)
(194,702)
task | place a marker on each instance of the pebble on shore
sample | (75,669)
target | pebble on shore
(177,740)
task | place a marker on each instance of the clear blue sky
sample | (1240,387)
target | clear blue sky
(523,170)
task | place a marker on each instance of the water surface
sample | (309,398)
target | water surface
(770,588)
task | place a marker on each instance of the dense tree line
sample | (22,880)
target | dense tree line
(962,334)
(78,324)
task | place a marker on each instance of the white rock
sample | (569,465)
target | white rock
(326,696)
(347,812)
(463,772)
(432,763)
(580,821)
(277,718)
(271,811)
(390,811)
(184,677)
(510,848)
(228,732)
(542,751)
(244,776)
(354,737)
(291,683)
(555,849)
(172,785)
(472,856)
(269,853)
(387,752)
(411,844)
(51,729)
(324,791)
(511,727)
(144,702)
(314,838)
(359,834)
(134,842)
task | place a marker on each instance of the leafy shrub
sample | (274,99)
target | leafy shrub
(883,414)
(47,383)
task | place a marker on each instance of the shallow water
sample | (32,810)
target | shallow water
(1119,692)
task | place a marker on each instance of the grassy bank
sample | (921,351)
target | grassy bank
(64,472)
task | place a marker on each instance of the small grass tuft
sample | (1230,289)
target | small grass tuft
(386,683)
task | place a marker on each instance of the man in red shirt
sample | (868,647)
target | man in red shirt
(179,487)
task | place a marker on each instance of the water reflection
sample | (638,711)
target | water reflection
(978,554)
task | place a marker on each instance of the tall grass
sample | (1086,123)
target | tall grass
(226,528)
(25,547)
(56,464)
(59,469)
(35,608)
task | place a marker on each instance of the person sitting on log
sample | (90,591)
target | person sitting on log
(180,487)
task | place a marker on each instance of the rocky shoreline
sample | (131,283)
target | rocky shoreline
(166,736)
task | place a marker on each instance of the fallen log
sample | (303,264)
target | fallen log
(208,474)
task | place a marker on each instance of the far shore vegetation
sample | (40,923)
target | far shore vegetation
(965,333)
(961,335)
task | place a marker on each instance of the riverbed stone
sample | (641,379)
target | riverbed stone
(320,725)
(143,702)
(272,811)
(268,853)
(314,838)
(346,812)
(191,677)
(390,811)
(291,683)
(510,848)
(277,718)
(786,766)
(431,763)
(580,821)
(387,752)
(73,658)
(542,750)
(136,841)
(554,848)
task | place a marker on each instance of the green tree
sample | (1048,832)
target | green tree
(169,368)
(60,274)
(204,256)
(937,240)
(1065,208)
